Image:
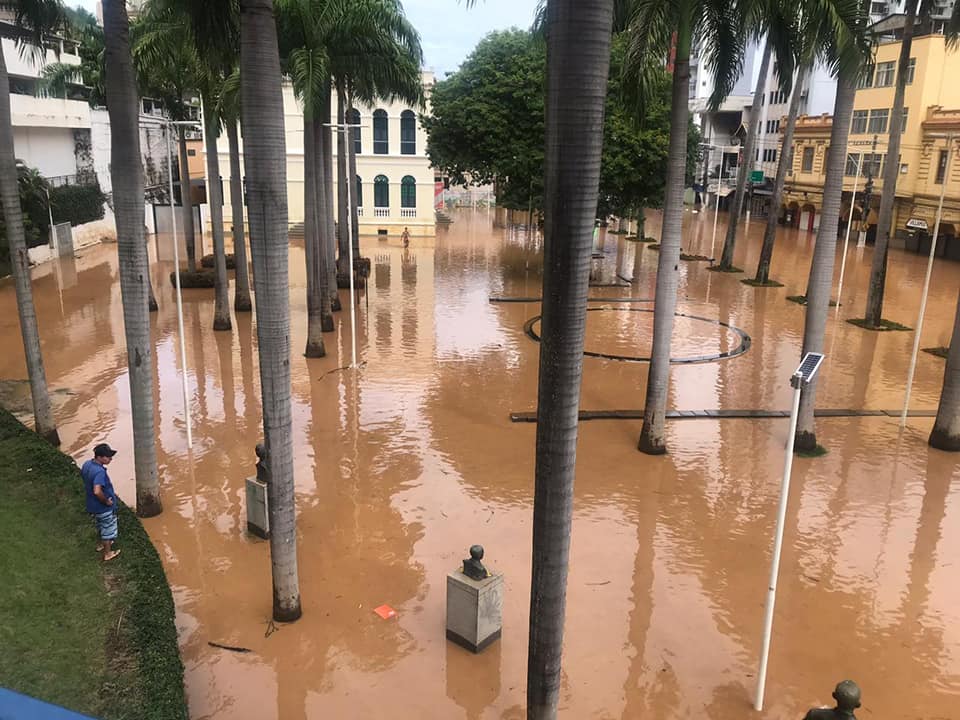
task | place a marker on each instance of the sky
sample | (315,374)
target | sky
(448,29)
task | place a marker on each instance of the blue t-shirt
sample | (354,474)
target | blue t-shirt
(94,473)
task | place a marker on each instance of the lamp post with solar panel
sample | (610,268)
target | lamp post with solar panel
(801,377)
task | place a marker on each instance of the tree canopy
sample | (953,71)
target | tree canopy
(487,126)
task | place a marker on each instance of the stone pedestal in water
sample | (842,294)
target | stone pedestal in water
(474,609)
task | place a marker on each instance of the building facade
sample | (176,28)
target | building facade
(394,186)
(931,87)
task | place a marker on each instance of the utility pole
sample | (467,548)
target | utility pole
(867,191)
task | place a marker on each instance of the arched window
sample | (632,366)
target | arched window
(408,192)
(381,192)
(353,118)
(358,198)
(408,133)
(381,135)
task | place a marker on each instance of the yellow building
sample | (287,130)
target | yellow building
(931,86)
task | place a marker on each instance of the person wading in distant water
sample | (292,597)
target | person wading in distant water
(101,499)
(405,237)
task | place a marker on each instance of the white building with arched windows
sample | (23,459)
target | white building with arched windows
(394,185)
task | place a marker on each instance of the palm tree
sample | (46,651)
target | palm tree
(783,164)
(230,112)
(578,55)
(266,170)
(34,18)
(654,29)
(891,172)
(746,164)
(946,428)
(166,67)
(127,176)
(850,51)
(211,124)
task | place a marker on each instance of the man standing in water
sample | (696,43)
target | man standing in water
(101,499)
(405,237)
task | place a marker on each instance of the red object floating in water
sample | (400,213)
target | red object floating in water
(386,612)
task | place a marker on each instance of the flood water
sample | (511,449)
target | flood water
(403,464)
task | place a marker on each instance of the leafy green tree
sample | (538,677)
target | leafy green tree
(487,119)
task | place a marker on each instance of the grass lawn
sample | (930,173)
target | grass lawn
(96,638)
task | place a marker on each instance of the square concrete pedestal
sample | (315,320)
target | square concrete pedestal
(474,610)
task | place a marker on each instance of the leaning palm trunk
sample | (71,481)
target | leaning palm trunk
(241,288)
(221,304)
(343,162)
(312,250)
(186,205)
(578,54)
(127,176)
(770,234)
(329,226)
(824,254)
(19,262)
(891,171)
(354,197)
(749,145)
(265,156)
(946,428)
(326,257)
(658,377)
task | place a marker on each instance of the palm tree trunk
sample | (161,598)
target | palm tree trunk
(355,198)
(820,282)
(266,163)
(241,290)
(328,228)
(343,162)
(578,56)
(127,176)
(186,203)
(891,172)
(658,377)
(20,266)
(786,155)
(221,303)
(749,147)
(312,250)
(946,428)
(326,270)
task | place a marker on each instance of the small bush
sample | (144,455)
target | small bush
(207,261)
(199,279)
(77,204)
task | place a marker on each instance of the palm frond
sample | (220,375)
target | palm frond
(720,28)
(34,21)
(55,78)
(650,33)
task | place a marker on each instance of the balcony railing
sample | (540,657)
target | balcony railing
(381,212)
(408,212)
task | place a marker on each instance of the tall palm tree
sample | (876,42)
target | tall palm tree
(211,125)
(891,172)
(850,51)
(127,176)
(230,112)
(266,165)
(946,428)
(746,163)
(654,29)
(34,18)
(578,56)
(783,165)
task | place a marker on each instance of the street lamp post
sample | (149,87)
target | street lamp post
(802,376)
(926,287)
(846,238)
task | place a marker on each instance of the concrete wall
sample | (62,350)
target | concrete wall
(50,150)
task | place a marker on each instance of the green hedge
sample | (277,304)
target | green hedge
(77,204)
(66,639)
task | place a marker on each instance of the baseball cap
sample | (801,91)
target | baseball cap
(104,450)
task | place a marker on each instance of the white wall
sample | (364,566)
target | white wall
(50,150)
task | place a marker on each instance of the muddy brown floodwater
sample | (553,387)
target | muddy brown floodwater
(404,464)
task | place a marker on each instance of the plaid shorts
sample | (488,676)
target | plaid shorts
(106,524)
